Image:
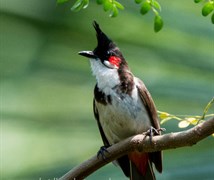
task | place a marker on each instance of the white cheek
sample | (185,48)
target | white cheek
(108,64)
(107,78)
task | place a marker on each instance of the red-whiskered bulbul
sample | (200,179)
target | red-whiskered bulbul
(122,106)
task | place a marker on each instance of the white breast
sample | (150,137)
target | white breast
(124,117)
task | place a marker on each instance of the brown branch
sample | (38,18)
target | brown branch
(142,143)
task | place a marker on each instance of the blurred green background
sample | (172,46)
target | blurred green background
(47,123)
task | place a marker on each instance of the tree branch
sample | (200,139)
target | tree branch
(142,143)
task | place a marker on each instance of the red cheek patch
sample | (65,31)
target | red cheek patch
(114,60)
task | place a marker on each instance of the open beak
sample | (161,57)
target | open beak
(88,54)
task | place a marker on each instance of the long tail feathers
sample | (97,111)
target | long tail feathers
(136,175)
(140,167)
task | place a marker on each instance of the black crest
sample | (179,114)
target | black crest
(104,44)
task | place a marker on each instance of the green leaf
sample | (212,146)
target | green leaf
(156,5)
(183,124)
(197,1)
(163,115)
(207,8)
(138,1)
(208,106)
(100,1)
(145,8)
(212,18)
(165,120)
(77,5)
(107,5)
(114,12)
(85,4)
(61,1)
(192,120)
(158,23)
(118,5)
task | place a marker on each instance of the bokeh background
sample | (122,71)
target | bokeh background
(47,123)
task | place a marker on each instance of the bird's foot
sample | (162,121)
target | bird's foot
(102,151)
(153,131)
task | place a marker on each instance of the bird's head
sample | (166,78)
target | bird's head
(107,62)
(106,51)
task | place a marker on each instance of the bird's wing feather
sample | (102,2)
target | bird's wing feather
(149,104)
(147,100)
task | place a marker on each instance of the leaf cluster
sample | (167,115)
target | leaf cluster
(208,8)
(154,6)
(114,6)
(186,120)
(111,5)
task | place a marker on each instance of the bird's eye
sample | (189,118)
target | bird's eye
(110,53)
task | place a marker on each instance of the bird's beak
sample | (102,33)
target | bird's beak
(88,54)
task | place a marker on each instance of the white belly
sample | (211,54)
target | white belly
(124,117)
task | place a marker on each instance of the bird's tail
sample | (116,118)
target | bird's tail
(141,167)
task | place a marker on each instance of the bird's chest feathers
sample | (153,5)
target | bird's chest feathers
(121,114)
(124,116)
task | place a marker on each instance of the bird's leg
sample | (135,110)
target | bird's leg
(102,151)
(153,131)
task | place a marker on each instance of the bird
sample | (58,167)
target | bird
(122,106)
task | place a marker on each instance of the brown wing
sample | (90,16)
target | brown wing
(147,100)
